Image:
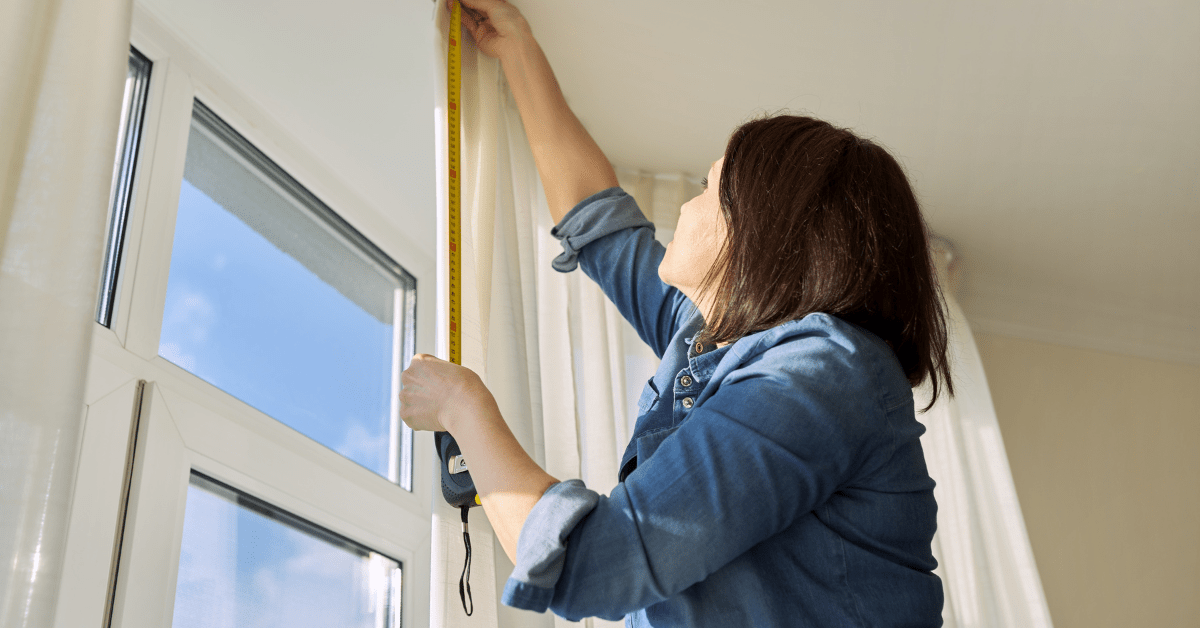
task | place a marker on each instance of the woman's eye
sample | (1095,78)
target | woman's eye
(704,183)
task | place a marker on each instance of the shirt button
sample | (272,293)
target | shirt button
(685,381)
(687,402)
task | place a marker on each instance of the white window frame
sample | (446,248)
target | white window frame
(186,423)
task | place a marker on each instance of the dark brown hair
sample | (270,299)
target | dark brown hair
(820,220)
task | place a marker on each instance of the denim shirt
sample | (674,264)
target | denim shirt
(775,481)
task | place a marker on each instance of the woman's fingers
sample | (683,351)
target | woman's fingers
(422,388)
(473,17)
(477,12)
(433,392)
(493,24)
(484,6)
(481,30)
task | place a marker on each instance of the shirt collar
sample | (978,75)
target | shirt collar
(703,360)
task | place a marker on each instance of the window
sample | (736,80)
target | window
(279,302)
(133,108)
(242,424)
(247,563)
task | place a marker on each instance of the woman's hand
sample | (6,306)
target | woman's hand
(435,393)
(445,397)
(496,25)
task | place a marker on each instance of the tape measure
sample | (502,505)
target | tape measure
(454,90)
(457,486)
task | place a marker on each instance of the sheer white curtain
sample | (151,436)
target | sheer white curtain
(503,216)
(62,70)
(985,559)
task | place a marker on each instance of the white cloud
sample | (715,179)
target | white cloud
(173,352)
(369,450)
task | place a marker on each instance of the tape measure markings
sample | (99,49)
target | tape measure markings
(454,82)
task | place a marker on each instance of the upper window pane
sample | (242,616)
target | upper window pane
(137,78)
(277,301)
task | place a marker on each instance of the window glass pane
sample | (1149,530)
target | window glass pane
(275,300)
(246,564)
(137,78)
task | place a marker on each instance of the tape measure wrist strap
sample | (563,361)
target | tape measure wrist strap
(464,581)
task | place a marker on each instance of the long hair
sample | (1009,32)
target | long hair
(820,220)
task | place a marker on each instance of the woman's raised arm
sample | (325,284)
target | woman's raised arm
(571,164)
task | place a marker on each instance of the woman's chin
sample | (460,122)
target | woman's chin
(664,274)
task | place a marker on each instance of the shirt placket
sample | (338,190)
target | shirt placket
(690,381)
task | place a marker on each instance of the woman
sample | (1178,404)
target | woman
(775,476)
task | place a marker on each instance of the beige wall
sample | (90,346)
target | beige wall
(1105,452)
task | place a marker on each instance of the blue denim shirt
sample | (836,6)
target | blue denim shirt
(776,481)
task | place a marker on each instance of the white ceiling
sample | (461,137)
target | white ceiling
(1054,143)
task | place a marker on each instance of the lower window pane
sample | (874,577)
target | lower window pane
(246,564)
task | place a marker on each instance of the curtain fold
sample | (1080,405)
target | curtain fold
(61,82)
(984,557)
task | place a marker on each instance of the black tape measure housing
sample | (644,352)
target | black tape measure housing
(457,488)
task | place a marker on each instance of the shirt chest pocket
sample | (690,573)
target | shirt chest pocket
(649,398)
(647,444)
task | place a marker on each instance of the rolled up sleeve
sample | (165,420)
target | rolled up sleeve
(596,216)
(542,546)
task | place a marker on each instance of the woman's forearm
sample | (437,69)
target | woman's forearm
(508,481)
(571,164)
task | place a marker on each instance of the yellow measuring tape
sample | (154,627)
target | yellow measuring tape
(454,83)
(454,246)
